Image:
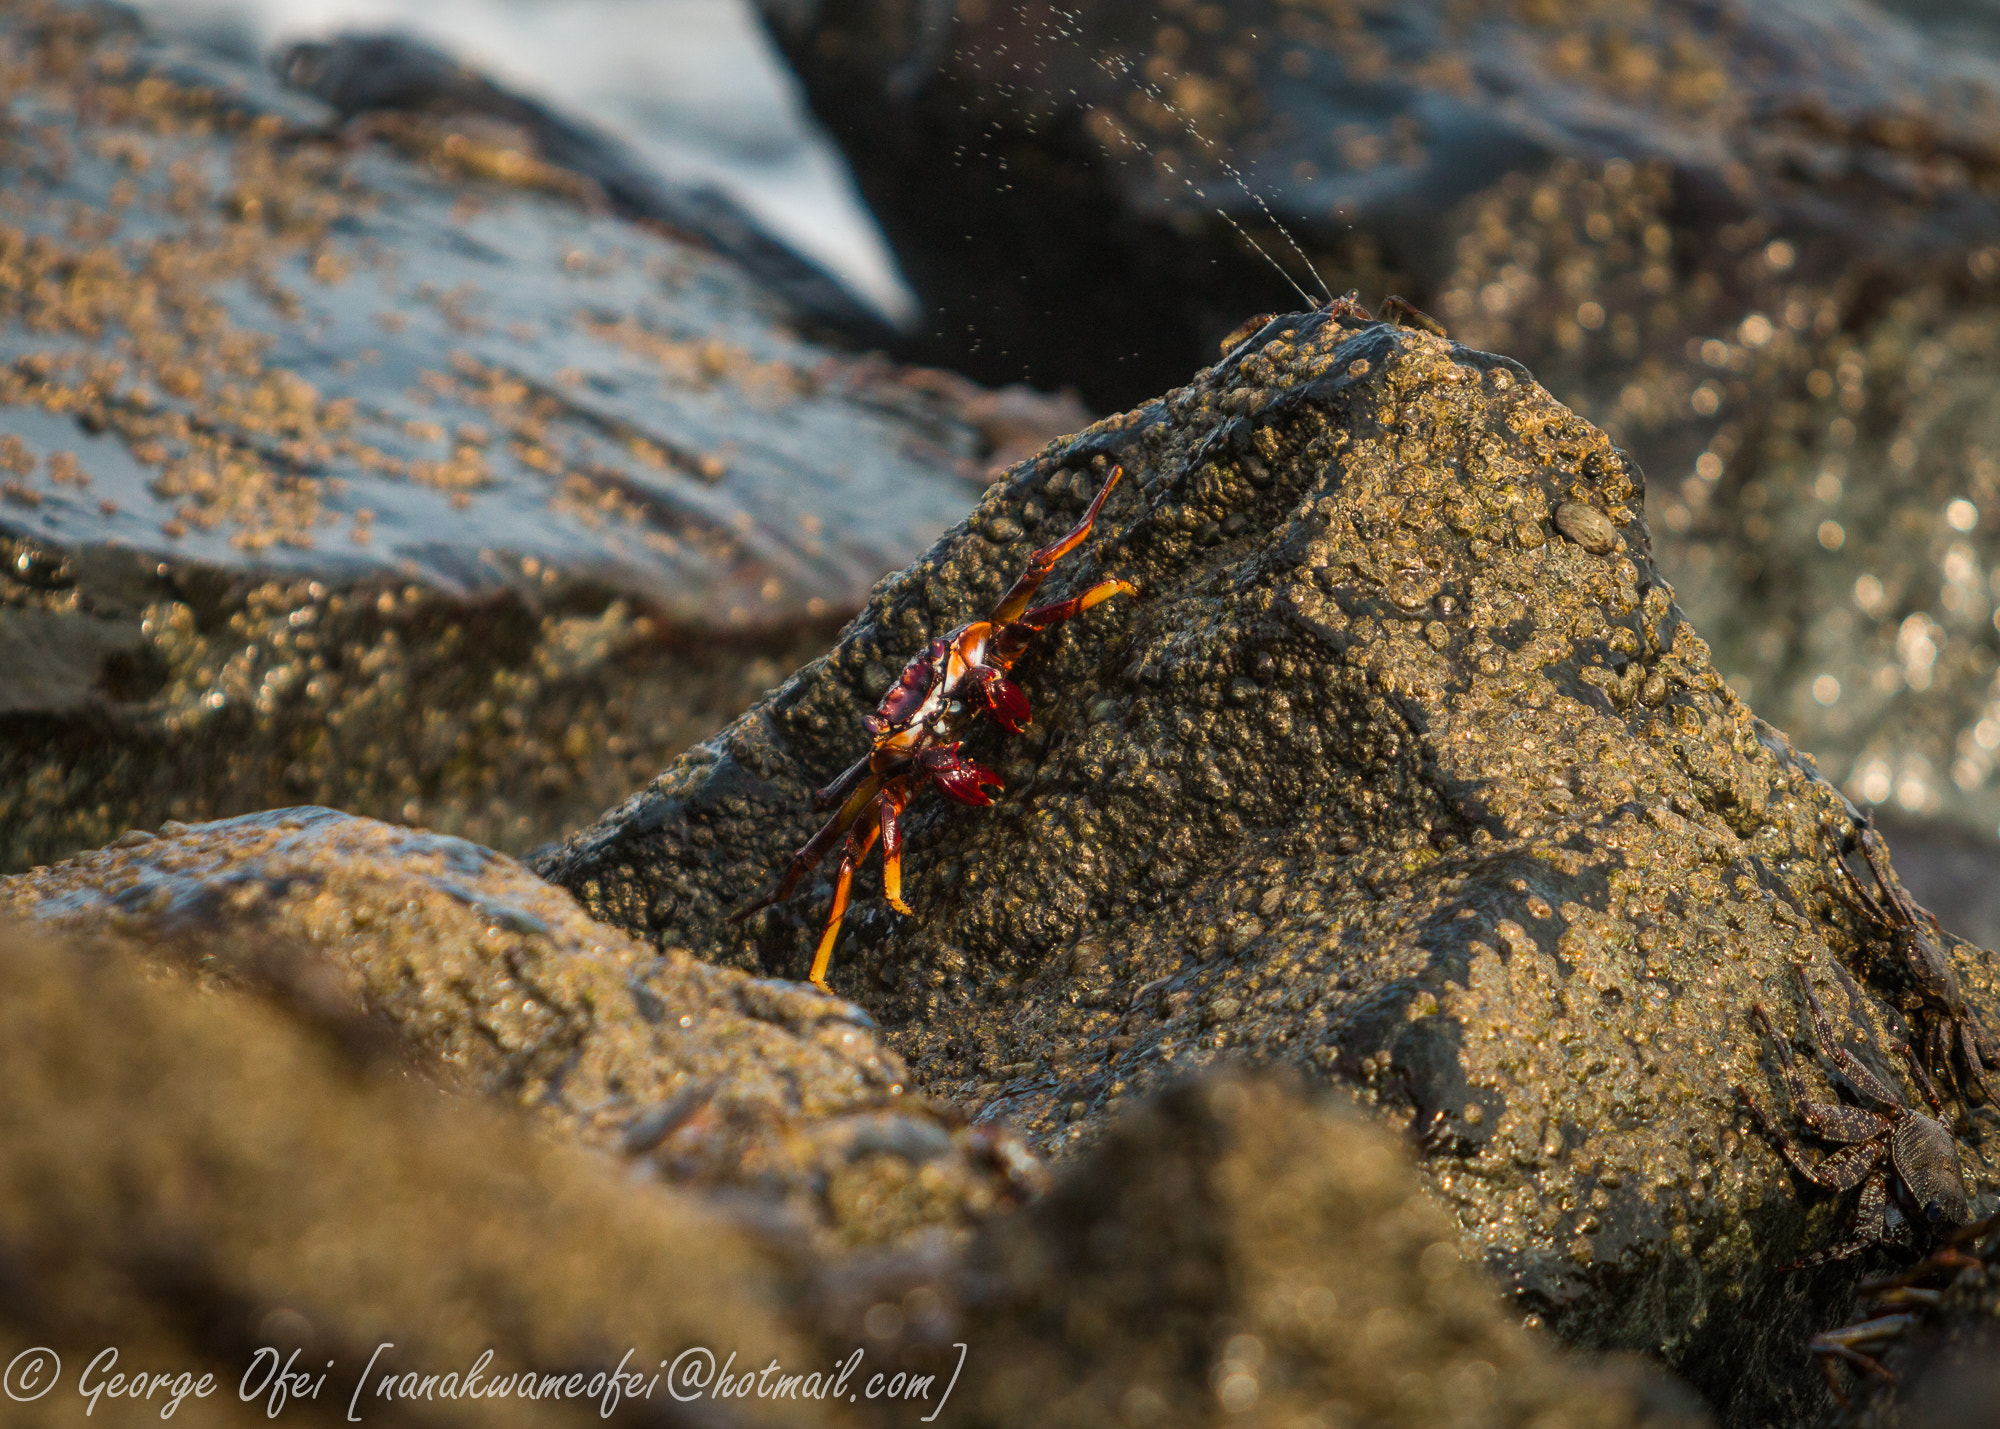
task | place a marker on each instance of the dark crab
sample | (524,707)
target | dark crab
(1949,1035)
(1896,1145)
(919,731)
(1903,1298)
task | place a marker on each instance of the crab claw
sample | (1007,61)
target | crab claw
(1003,699)
(959,779)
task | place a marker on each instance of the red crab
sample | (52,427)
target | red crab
(919,731)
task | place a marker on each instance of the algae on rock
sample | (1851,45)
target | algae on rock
(1381,776)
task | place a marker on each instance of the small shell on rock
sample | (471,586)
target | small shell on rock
(1587,526)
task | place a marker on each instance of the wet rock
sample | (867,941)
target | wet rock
(417,489)
(191,1177)
(1070,192)
(1446,811)
(1234,1250)
(396,74)
(709,1077)
(1746,242)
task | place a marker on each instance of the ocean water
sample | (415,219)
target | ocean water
(693,85)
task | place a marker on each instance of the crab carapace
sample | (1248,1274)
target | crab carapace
(919,733)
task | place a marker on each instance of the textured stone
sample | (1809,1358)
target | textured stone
(502,984)
(1232,1251)
(1450,813)
(193,1176)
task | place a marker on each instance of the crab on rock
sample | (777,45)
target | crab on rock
(1895,1151)
(1950,1035)
(919,731)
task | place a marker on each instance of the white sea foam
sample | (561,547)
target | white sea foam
(693,85)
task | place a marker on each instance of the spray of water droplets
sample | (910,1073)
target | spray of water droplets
(1120,68)
(1065,28)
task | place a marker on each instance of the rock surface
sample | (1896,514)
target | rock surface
(709,1077)
(1753,243)
(416,486)
(1231,1250)
(193,1176)
(1380,776)
(378,74)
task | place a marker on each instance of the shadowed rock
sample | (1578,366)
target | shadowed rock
(1231,1250)
(1065,187)
(191,1177)
(327,475)
(1380,776)
(1938,1347)
(479,968)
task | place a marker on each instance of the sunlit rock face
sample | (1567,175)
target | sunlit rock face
(1403,769)
(1750,242)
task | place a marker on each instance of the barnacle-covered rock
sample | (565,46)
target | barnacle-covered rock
(1382,776)
(191,1178)
(710,1077)
(412,488)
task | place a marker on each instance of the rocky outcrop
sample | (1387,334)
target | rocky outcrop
(202,1181)
(410,481)
(489,976)
(1753,243)
(1404,769)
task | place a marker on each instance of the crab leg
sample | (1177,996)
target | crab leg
(1043,561)
(1011,640)
(817,848)
(858,844)
(894,798)
(848,781)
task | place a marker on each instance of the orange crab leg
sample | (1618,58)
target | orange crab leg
(894,799)
(1043,561)
(858,844)
(818,847)
(1012,640)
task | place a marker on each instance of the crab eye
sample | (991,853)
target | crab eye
(1933,1212)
